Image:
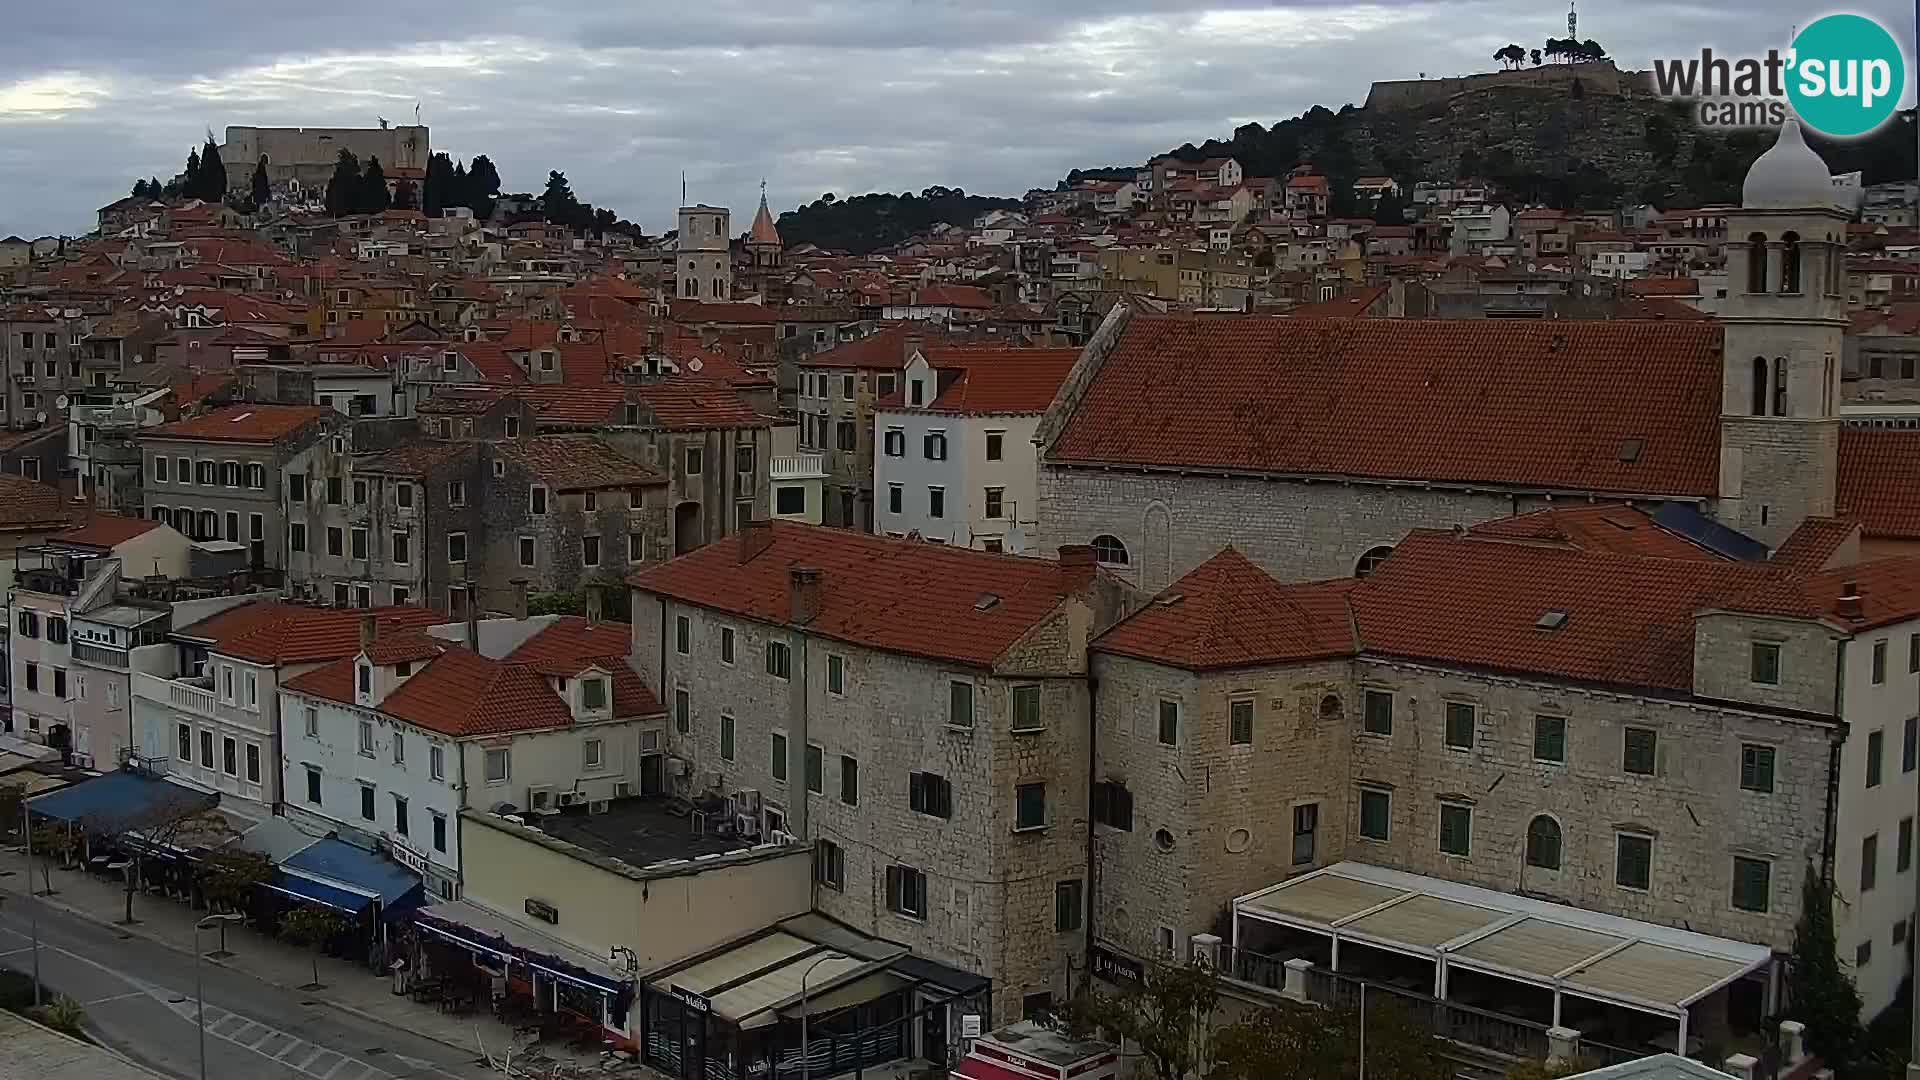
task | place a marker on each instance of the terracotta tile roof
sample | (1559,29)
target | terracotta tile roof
(107,530)
(1610,406)
(1229,613)
(1814,543)
(307,634)
(577,463)
(960,296)
(1880,482)
(900,595)
(200,387)
(241,423)
(460,401)
(883,350)
(695,311)
(572,644)
(458,693)
(690,402)
(405,646)
(1352,305)
(415,460)
(574,406)
(1664,286)
(28,504)
(1613,527)
(1889,592)
(1001,381)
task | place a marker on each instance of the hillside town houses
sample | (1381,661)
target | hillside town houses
(810,655)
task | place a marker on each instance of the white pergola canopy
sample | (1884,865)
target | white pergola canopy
(1626,962)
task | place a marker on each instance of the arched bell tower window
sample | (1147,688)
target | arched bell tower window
(1759,386)
(1780,386)
(1790,263)
(1757,263)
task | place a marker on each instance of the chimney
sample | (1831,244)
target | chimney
(1849,606)
(519,597)
(1078,563)
(366,631)
(594,602)
(914,344)
(755,537)
(803,594)
(473,615)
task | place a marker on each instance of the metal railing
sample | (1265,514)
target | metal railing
(100,657)
(179,693)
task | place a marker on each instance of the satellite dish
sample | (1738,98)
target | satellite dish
(60,402)
(40,417)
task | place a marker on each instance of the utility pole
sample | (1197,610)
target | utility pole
(33,908)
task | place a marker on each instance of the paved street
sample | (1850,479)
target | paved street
(139,1000)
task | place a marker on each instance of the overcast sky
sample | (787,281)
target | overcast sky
(847,96)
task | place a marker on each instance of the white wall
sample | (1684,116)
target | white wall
(915,474)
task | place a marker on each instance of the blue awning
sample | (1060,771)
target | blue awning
(300,888)
(339,866)
(120,801)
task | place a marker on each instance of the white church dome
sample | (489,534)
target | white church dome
(1790,176)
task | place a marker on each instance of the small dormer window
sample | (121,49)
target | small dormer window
(403,669)
(919,396)
(366,678)
(593,694)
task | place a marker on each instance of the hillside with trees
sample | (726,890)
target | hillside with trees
(868,222)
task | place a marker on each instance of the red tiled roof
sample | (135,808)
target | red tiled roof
(1666,286)
(415,460)
(28,504)
(298,635)
(1352,305)
(682,403)
(695,311)
(241,423)
(1613,527)
(107,530)
(1880,481)
(458,693)
(1889,591)
(900,595)
(1613,406)
(1229,613)
(1814,543)
(1001,380)
(572,644)
(577,463)
(883,350)
(960,296)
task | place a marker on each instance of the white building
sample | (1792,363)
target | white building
(955,460)
(1478,228)
(393,741)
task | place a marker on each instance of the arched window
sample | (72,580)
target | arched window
(1371,560)
(1759,386)
(1330,707)
(1790,263)
(1109,550)
(1543,843)
(1757,263)
(1780,386)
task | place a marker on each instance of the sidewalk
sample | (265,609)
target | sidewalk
(347,987)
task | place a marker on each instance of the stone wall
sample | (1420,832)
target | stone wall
(1600,78)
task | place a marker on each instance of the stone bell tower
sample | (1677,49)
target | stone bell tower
(1785,315)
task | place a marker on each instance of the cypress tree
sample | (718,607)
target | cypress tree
(262,188)
(373,189)
(343,187)
(213,172)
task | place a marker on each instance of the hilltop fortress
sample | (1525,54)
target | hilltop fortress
(1598,77)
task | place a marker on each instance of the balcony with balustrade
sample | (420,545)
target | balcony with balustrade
(192,695)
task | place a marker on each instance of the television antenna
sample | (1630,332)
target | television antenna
(1573,21)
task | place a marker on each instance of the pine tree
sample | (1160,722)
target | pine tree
(154,190)
(343,187)
(262,187)
(436,192)
(190,180)
(484,181)
(460,189)
(139,188)
(373,189)
(1821,993)
(213,172)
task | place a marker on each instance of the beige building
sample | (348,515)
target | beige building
(305,156)
(916,712)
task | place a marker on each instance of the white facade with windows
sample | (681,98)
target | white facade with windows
(969,479)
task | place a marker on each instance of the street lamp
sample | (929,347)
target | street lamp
(806,1048)
(199,987)
(33,909)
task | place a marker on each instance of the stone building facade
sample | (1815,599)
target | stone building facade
(223,475)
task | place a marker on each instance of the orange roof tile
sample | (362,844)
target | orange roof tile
(241,423)
(1880,481)
(1229,613)
(1609,406)
(307,634)
(1814,543)
(107,530)
(577,463)
(572,644)
(900,595)
(1613,527)
(27,504)
(458,693)
(1001,381)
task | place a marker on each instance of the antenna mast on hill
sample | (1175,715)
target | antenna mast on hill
(1573,21)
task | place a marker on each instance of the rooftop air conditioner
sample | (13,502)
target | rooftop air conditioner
(597,806)
(746,825)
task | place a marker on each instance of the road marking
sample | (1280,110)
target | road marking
(115,997)
(290,1048)
(309,1059)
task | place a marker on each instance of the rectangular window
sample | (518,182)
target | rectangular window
(896,495)
(296,487)
(1379,712)
(1306,827)
(590,551)
(33,677)
(959,704)
(846,436)
(526,551)
(1066,906)
(894,442)
(402,549)
(359,543)
(779,756)
(849,780)
(1869,862)
(934,446)
(60,683)
(359,493)
(160,469)
(996,440)
(1550,739)
(779,659)
(1376,810)
(366,801)
(334,497)
(183,743)
(400,814)
(1913,653)
(993,500)
(1876,747)
(1026,709)
(313,785)
(726,644)
(1240,722)
(1756,768)
(1632,860)
(1751,882)
(1909,733)
(403,495)
(936,502)
(836,674)
(439,832)
(296,536)
(726,737)
(336,541)
(436,763)
(682,710)
(1111,804)
(1029,806)
(682,634)
(815,765)
(1640,751)
(1903,855)
(594,753)
(1456,829)
(1459,725)
(1879,662)
(829,864)
(907,892)
(1169,722)
(694,464)
(457,547)
(366,726)
(1765,665)
(930,794)
(206,749)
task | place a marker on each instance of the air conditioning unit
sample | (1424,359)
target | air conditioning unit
(746,825)
(572,798)
(747,801)
(598,806)
(539,798)
(780,836)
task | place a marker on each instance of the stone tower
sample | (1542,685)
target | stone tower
(703,268)
(1785,314)
(765,253)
